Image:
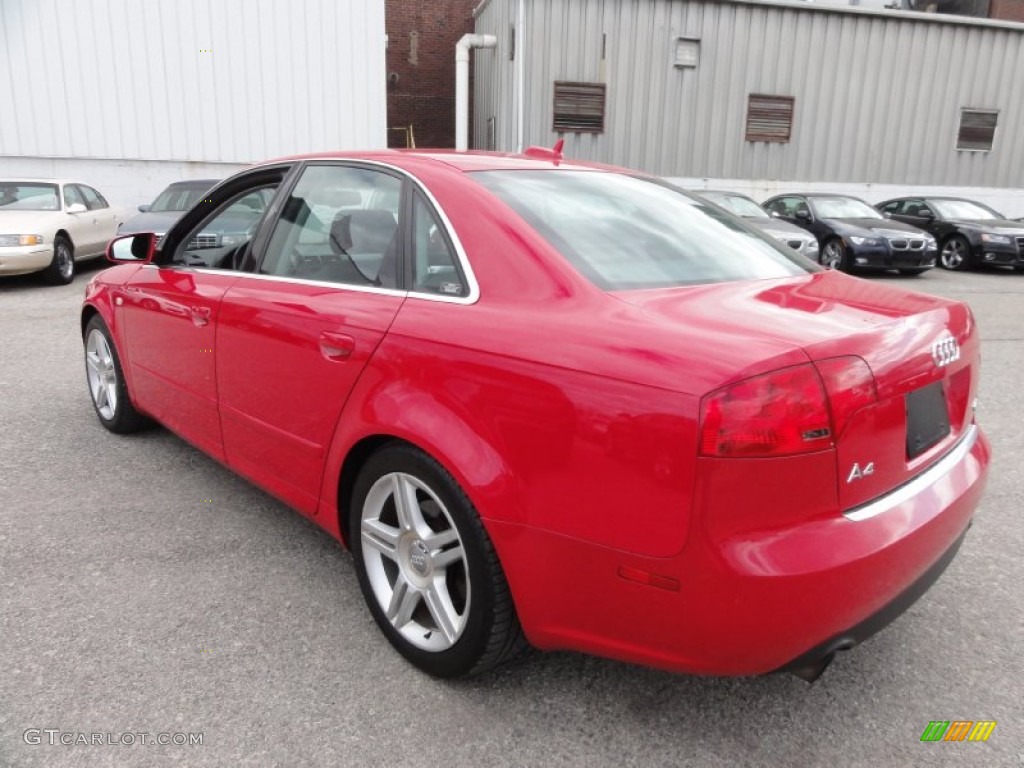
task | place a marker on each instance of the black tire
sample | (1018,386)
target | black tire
(62,268)
(841,263)
(488,630)
(103,375)
(955,253)
(914,270)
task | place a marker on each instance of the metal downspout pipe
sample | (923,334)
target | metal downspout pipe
(462,84)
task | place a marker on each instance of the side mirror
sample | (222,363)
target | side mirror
(924,213)
(776,215)
(76,208)
(143,208)
(887,214)
(140,248)
(803,214)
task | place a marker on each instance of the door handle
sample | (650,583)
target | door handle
(200,316)
(336,346)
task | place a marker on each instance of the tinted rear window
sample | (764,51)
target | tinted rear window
(625,232)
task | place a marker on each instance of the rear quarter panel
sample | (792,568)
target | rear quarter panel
(532,443)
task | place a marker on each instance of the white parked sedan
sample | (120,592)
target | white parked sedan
(46,225)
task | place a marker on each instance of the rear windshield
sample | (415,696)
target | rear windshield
(624,232)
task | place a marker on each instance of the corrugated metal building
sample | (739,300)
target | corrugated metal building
(129,95)
(876,102)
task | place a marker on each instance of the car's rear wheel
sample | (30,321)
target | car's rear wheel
(62,269)
(955,253)
(427,568)
(833,255)
(106,381)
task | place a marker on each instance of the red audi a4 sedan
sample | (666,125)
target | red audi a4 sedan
(558,405)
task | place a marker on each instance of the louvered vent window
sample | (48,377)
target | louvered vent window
(579,107)
(977,130)
(769,118)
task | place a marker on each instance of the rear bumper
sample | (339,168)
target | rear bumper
(21,260)
(811,663)
(750,597)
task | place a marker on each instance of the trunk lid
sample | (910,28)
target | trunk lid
(907,339)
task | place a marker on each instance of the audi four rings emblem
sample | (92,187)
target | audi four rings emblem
(945,351)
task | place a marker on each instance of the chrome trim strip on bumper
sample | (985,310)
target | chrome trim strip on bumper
(927,478)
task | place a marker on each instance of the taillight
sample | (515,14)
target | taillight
(785,412)
(850,386)
(775,414)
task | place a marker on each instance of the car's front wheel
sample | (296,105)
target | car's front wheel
(62,268)
(427,568)
(833,255)
(955,253)
(105,377)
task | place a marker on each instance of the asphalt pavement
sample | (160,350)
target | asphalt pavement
(146,590)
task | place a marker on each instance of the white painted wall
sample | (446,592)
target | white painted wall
(1007,201)
(129,94)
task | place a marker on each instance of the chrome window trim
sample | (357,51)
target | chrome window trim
(919,484)
(315,283)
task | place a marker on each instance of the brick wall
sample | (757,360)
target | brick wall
(421,52)
(1008,10)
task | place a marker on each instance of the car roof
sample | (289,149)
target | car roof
(720,192)
(194,183)
(42,181)
(473,160)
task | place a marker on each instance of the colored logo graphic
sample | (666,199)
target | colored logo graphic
(958,730)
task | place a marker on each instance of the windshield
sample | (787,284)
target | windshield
(962,209)
(624,232)
(178,197)
(28,197)
(843,208)
(738,204)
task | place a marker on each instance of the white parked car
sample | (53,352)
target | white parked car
(46,225)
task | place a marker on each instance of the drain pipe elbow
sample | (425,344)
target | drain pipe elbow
(467,41)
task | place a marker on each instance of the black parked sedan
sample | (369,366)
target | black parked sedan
(854,236)
(968,232)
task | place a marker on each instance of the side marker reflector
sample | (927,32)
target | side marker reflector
(648,579)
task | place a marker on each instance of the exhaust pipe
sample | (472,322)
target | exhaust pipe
(812,670)
(813,665)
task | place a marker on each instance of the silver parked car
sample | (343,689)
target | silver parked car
(798,239)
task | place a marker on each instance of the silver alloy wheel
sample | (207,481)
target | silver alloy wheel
(99,364)
(415,561)
(832,256)
(65,263)
(953,253)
